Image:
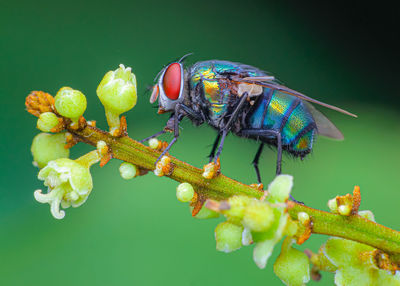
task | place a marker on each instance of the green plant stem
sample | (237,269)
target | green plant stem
(352,227)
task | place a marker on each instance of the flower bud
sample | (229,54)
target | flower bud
(303,218)
(228,236)
(258,216)
(117,93)
(184,192)
(47,121)
(47,147)
(128,170)
(344,210)
(279,189)
(292,265)
(154,143)
(237,206)
(332,205)
(70,103)
(367,214)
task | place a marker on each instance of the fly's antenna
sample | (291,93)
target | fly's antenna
(155,79)
(184,57)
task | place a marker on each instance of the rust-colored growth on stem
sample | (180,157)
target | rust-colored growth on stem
(197,203)
(305,235)
(356,200)
(383,261)
(38,102)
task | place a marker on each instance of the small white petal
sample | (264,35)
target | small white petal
(43,198)
(55,208)
(246,237)
(262,251)
(65,204)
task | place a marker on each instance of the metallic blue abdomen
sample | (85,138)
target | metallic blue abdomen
(286,114)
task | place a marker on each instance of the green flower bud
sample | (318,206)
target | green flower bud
(228,236)
(279,189)
(237,206)
(332,205)
(303,218)
(258,216)
(47,147)
(292,265)
(70,103)
(367,214)
(205,213)
(154,143)
(117,93)
(344,210)
(128,170)
(47,121)
(184,192)
(69,183)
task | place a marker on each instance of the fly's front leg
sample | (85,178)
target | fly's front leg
(153,136)
(212,168)
(176,117)
(165,130)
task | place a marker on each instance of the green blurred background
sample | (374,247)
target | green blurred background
(136,232)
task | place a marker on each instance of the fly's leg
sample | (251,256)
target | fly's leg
(168,127)
(279,159)
(177,117)
(153,136)
(255,162)
(278,137)
(214,148)
(221,145)
(228,125)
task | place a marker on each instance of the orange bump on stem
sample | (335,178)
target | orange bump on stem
(105,159)
(71,141)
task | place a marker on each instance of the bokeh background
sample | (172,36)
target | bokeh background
(136,232)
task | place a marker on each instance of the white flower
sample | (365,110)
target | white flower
(69,184)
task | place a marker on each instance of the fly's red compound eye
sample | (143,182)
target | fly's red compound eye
(172,81)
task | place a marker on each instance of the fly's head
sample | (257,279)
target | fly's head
(169,89)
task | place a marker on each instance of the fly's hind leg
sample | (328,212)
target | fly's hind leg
(214,148)
(278,137)
(255,162)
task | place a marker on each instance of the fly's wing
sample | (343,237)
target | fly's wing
(273,85)
(324,126)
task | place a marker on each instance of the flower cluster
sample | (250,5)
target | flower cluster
(263,222)
(69,182)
